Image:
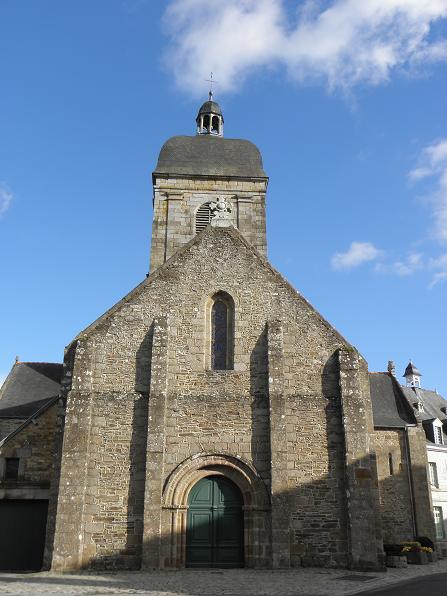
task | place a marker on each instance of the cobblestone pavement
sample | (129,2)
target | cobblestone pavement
(235,582)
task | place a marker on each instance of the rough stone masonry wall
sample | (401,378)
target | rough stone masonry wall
(395,501)
(176,201)
(34,447)
(8,425)
(208,411)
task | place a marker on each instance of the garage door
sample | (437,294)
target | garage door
(22,534)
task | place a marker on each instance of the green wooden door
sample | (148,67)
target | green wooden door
(215,527)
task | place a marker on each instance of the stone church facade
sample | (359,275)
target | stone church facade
(213,418)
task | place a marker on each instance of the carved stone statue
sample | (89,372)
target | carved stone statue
(220,213)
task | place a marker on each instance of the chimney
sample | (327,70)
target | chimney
(391,368)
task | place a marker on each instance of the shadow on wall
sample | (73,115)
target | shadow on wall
(260,437)
(314,553)
(318,532)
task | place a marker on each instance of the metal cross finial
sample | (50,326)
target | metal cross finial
(210,81)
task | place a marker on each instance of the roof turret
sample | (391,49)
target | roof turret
(411,370)
(412,375)
(210,119)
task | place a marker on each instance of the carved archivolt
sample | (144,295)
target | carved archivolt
(242,473)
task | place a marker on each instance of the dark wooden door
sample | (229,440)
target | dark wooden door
(215,525)
(22,534)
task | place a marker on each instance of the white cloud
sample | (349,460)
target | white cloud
(339,42)
(433,160)
(357,254)
(5,199)
(433,164)
(439,264)
(403,267)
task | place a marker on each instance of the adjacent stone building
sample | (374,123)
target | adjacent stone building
(431,408)
(400,447)
(28,419)
(213,418)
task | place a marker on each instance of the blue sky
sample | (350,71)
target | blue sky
(346,101)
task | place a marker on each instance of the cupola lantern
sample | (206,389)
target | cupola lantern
(412,375)
(209,119)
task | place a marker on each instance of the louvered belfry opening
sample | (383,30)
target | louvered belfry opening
(203,217)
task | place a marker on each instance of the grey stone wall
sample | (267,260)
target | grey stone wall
(176,201)
(34,447)
(421,489)
(395,498)
(283,407)
(363,510)
(7,426)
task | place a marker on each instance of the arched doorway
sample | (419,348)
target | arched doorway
(215,524)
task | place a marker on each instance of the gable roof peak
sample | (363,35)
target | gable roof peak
(411,370)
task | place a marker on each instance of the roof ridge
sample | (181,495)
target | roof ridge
(38,362)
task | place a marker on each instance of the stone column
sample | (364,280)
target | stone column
(278,447)
(362,496)
(151,558)
(69,549)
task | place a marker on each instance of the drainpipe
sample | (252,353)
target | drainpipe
(410,481)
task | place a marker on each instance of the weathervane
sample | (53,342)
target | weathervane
(210,81)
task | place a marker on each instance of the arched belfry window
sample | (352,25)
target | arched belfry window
(203,217)
(222,332)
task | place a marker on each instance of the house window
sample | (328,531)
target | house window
(203,217)
(222,332)
(439,522)
(11,468)
(438,435)
(433,474)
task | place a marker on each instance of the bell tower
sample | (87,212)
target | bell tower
(207,179)
(209,119)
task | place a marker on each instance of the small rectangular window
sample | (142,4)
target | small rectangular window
(438,435)
(433,474)
(11,468)
(439,522)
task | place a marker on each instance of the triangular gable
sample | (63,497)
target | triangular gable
(235,236)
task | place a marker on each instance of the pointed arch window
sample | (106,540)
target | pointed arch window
(222,332)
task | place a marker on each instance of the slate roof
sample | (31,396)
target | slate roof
(411,370)
(432,402)
(28,387)
(390,408)
(210,106)
(210,155)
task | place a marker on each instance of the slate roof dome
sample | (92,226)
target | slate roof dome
(210,106)
(209,155)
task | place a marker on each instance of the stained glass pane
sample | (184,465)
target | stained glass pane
(219,338)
